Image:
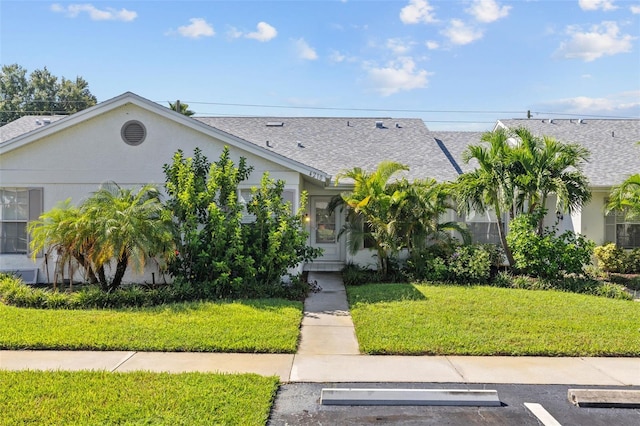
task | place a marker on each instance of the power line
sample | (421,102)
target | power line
(583,115)
(349,109)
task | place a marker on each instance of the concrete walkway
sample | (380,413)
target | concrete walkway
(328,352)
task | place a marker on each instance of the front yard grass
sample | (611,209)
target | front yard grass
(266,326)
(92,398)
(482,320)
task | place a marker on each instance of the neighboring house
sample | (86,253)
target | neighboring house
(615,155)
(127,139)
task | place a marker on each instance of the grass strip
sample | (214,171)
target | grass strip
(256,326)
(481,320)
(92,398)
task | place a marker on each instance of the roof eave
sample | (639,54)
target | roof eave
(132,98)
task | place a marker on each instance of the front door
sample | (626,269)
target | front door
(324,229)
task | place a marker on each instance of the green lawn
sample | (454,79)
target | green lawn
(92,398)
(270,326)
(481,320)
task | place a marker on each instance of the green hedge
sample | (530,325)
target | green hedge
(14,292)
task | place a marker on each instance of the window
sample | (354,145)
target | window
(18,207)
(625,233)
(483,228)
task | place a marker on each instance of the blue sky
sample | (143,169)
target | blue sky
(458,65)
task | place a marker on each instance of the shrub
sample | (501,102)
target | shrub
(548,255)
(218,255)
(470,263)
(353,274)
(611,258)
(633,261)
(611,290)
(503,279)
(14,292)
(632,282)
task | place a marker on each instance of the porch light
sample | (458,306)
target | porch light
(307,219)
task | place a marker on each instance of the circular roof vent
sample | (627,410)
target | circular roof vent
(133,132)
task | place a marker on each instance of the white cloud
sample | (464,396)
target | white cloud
(417,11)
(196,29)
(597,4)
(601,40)
(460,33)
(432,45)
(398,46)
(398,75)
(622,104)
(233,32)
(265,32)
(95,14)
(305,51)
(635,9)
(336,56)
(488,10)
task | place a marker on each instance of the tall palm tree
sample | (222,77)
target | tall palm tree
(371,205)
(128,226)
(545,166)
(491,186)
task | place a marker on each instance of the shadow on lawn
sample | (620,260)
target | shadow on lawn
(376,293)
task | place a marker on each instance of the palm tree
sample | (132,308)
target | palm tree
(56,231)
(490,187)
(545,166)
(181,108)
(626,197)
(128,226)
(419,211)
(371,205)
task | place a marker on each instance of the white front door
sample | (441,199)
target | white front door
(325,227)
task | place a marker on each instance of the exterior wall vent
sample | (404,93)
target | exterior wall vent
(133,132)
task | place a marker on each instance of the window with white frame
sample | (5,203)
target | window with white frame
(18,206)
(625,233)
(483,227)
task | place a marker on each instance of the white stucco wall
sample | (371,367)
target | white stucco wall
(73,163)
(593,218)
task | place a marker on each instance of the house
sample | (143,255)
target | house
(615,155)
(127,139)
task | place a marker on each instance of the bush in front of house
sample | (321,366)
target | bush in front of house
(226,248)
(463,264)
(572,284)
(473,263)
(548,255)
(14,292)
(612,258)
(353,274)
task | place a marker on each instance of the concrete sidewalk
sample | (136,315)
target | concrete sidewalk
(328,352)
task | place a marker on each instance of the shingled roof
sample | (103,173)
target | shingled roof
(615,153)
(26,124)
(337,144)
